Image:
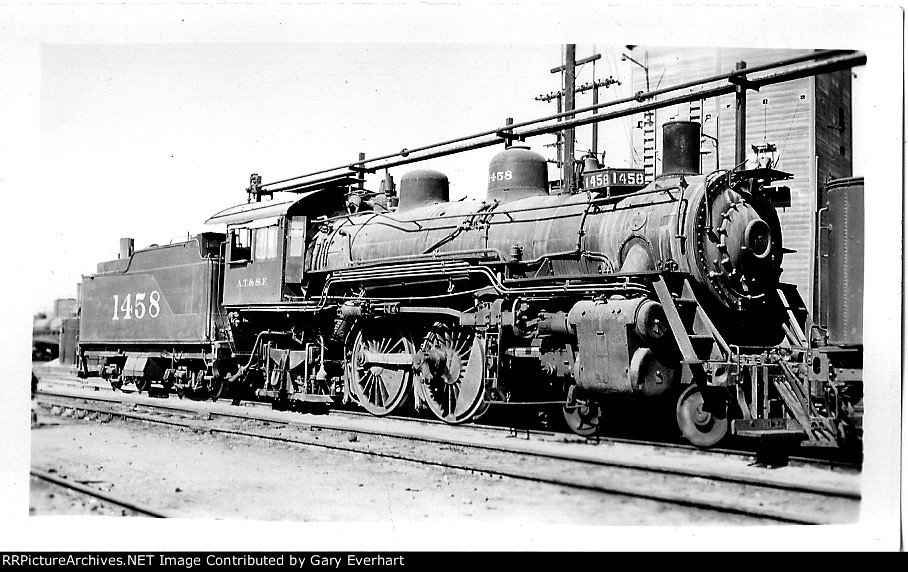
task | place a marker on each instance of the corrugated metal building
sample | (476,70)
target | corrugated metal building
(808,120)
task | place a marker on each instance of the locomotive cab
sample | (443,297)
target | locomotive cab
(254,265)
(266,249)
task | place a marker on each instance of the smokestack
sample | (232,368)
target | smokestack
(681,148)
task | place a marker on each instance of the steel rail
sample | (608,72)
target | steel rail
(735,78)
(705,473)
(744,453)
(65,483)
(678,499)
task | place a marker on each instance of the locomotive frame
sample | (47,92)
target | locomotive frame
(660,293)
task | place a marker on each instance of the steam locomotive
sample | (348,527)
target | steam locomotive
(667,292)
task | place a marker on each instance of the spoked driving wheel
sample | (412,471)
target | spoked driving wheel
(451,373)
(380,370)
(703,422)
(581,415)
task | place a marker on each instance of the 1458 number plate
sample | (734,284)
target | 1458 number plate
(614,178)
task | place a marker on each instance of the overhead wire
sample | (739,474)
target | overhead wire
(626,124)
(785,142)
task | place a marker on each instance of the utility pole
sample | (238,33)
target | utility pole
(595,85)
(565,157)
(594,148)
(567,166)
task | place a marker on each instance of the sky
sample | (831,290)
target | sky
(142,120)
(154,138)
(164,135)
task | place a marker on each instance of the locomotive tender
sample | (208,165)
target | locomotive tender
(580,298)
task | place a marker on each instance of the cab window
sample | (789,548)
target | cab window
(266,243)
(240,244)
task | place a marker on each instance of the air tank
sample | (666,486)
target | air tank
(681,148)
(421,188)
(517,173)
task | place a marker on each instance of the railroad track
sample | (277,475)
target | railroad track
(94,494)
(695,479)
(807,457)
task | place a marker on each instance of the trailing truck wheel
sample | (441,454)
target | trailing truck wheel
(703,423)
(450,374)
(380,370)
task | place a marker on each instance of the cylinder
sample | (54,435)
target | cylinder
(681,148)
(422,187)
(613,356)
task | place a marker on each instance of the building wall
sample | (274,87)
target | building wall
(792,115)
(833,127)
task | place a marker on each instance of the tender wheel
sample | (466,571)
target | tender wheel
(197,388)
(582,416)
(450,374)
(703,425)
(381,388)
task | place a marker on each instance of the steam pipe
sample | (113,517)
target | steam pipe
(825,67)
(848,59)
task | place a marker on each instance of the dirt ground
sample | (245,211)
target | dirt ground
(186,473)
(48,498)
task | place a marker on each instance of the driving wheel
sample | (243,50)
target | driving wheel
(380,370)
(450,374)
